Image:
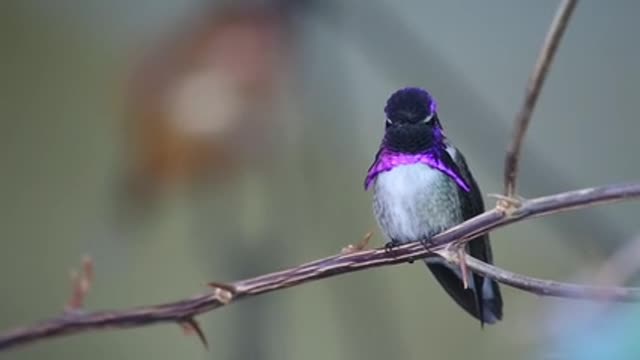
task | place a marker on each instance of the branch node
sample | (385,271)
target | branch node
(507,204)
(223,292)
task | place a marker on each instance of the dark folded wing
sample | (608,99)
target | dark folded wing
(480,247)
(473,301)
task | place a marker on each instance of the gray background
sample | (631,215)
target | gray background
(63,66)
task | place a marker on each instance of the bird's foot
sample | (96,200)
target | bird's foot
(425,243)
(388,247)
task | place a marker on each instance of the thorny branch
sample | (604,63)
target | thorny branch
(536,80)
(547,287)
(355,259)
(184,311)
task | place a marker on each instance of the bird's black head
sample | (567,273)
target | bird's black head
(412,124)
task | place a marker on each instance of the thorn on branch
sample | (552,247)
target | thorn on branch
(190,326)
(359,246)
(460,252)
(81,285)
(464,271)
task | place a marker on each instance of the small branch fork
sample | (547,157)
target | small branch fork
(185,311)
(510,201)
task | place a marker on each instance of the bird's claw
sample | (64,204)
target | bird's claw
(388,247)
(425,244)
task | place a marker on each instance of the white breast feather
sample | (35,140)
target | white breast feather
(398,190)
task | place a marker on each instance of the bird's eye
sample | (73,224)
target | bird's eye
(389,121)
(428,118)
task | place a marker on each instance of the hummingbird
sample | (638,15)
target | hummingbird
(422,186)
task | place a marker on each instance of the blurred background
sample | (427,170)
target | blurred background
(182,142)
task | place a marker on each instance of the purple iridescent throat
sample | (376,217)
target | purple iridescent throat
(387,160)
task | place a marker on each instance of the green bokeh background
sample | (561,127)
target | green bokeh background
(63,68)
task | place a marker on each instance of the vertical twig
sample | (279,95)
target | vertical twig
(536,80)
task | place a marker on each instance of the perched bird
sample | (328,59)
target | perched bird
(421,187)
